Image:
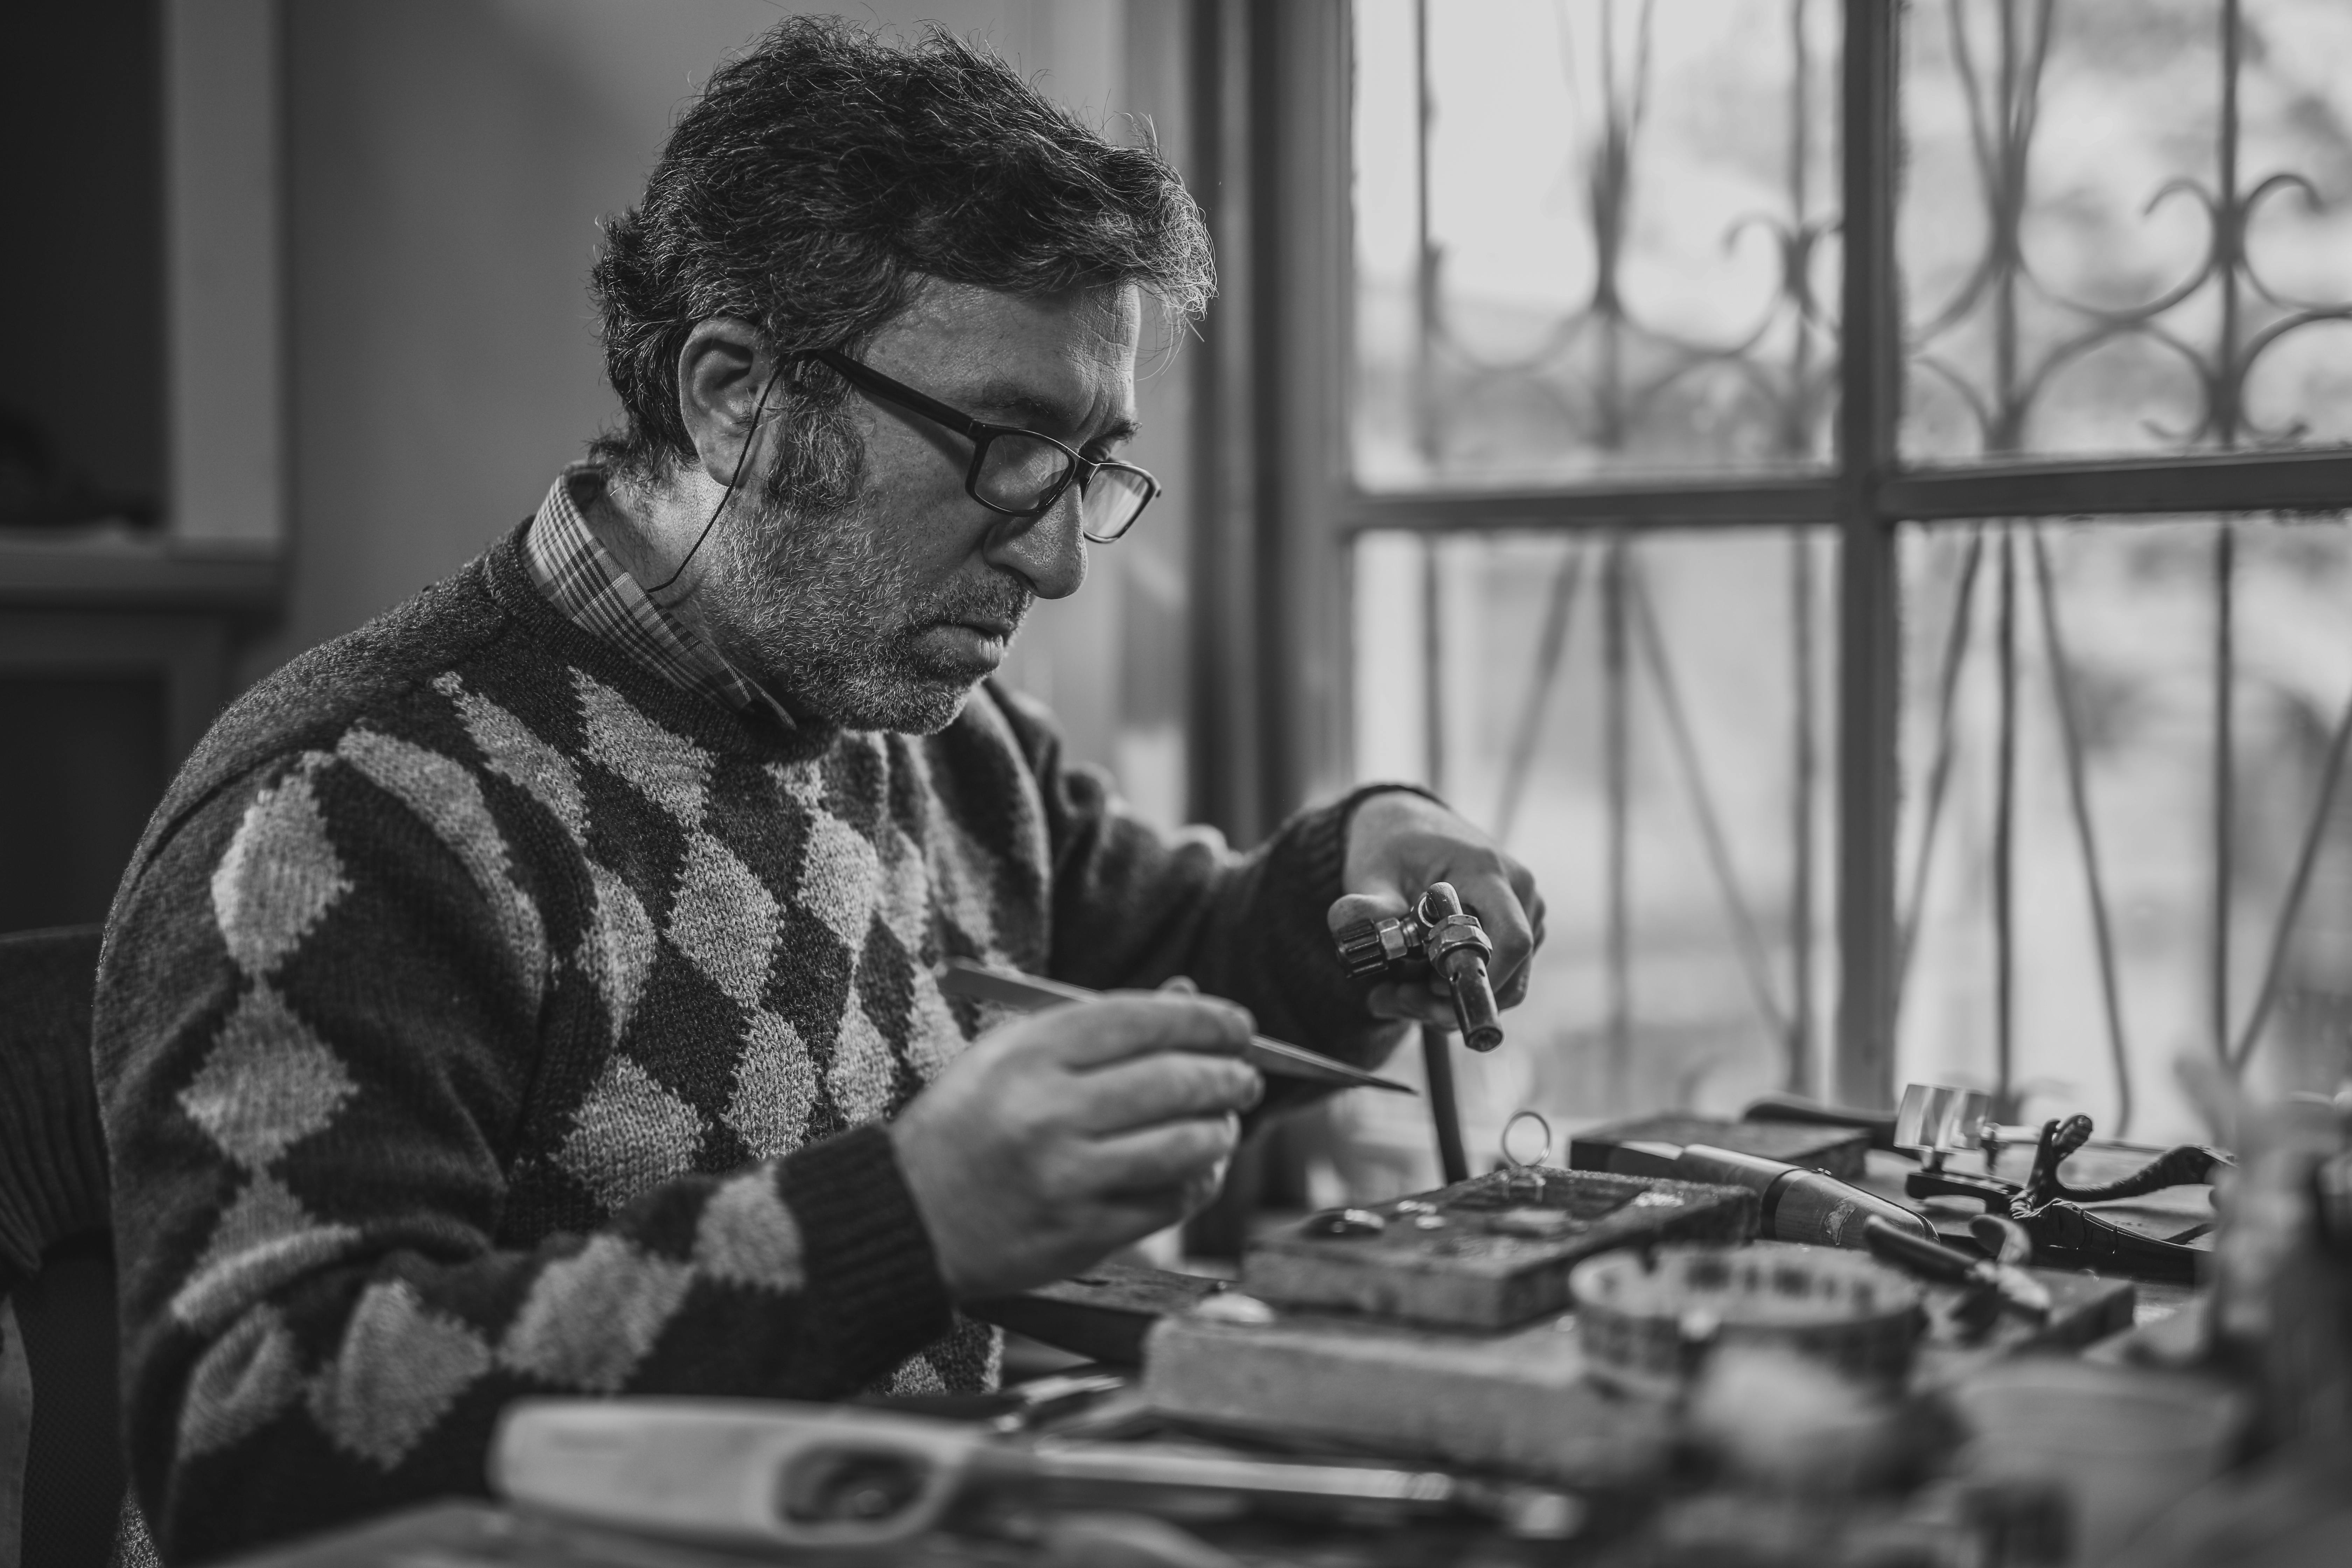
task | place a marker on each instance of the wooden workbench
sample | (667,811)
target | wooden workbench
(1106,1315)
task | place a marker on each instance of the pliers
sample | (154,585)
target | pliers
(2064,1233)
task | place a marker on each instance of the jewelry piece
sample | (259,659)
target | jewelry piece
(1526,1176)
(1346,1222)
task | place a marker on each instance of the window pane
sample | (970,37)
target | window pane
(2134,609)
(1604,706)
(2069,281)
(1629,261)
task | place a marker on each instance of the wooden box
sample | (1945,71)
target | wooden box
(1489,1253)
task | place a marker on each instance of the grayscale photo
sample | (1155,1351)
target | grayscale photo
(1176,783)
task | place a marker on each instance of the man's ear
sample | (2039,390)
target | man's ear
(722,372)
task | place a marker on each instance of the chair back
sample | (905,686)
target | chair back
(60,1448)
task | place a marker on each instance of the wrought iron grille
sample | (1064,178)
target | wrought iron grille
(1949,275)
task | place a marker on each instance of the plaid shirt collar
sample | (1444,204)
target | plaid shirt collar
(580,579)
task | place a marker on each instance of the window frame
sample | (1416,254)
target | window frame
(1283,77)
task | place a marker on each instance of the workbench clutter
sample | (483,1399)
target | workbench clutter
(1714,1396)
(1680,1348)
(1549,1364)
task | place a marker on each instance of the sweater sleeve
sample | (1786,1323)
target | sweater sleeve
(1133,906)
(318,1032)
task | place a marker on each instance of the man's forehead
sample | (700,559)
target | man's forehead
(1075,350)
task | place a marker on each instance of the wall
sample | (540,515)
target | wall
(447,163)
(82,296)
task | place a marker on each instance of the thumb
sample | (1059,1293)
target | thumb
(1351,908)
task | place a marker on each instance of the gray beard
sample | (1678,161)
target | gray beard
(811,603)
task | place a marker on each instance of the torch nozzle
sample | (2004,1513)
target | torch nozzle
(1438,937)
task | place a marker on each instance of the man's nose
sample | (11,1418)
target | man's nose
(1047,551)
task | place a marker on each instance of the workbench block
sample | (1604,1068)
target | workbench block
(1487,1263)
(1518,1402)
(1102,1314)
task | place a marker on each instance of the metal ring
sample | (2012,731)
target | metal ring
(1541,1155)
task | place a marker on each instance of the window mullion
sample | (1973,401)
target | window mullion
(1869,674)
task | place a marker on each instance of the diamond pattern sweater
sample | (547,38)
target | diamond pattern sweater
(482,1015)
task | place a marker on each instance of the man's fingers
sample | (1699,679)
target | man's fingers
(1113,1028)
(1166,1086)
(1495,901)
(1151,1159)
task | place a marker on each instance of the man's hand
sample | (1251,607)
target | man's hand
(1397,844)
(1062,1137)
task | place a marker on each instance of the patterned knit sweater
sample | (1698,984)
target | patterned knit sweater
(482,1015)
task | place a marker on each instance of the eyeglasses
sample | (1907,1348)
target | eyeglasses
(1014,471)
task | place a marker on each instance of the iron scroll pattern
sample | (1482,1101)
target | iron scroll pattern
(2000,54)
(1615,385)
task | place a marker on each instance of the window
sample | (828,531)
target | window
(1848,492)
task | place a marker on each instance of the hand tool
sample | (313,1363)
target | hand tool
(1436,937)
(2065,1234)
(1842,1152)
(1796,1204)
(1932,1121)
(1932,1260)
(760,1474)
(1034,993)
(1936,1121)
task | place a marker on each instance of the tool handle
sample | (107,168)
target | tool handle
(1795,1204)
(738,1473)
(1812,1113)
(2185,1165)
(1034,992)
(1991,1191)
(1916,1255)
(2067,1236)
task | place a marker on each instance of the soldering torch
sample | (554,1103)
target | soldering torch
(1438,937)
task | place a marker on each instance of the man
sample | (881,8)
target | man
(531,991)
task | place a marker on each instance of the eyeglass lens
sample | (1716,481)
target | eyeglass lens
(1020,470)
(1112,502)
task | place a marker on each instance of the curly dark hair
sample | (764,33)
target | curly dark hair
(821,176)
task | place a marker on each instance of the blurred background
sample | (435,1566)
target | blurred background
(1850,493)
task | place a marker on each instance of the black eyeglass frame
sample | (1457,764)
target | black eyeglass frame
(1082,468)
